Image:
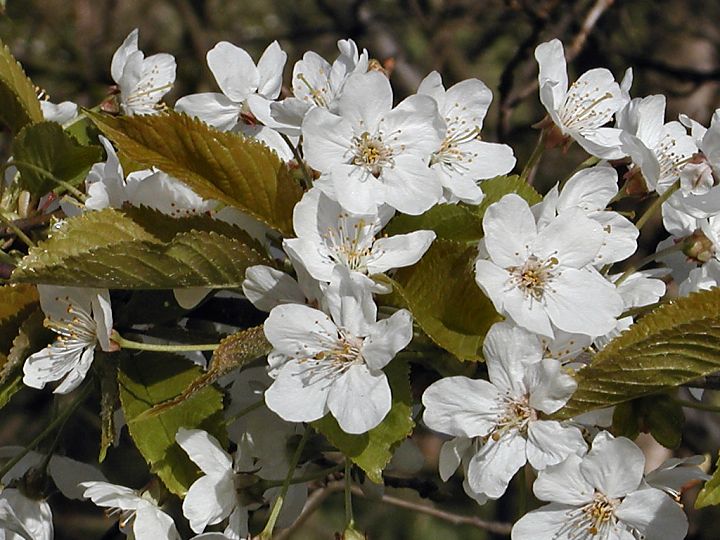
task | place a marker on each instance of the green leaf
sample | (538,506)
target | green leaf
(461,222)
(106,366)
(46,147)
(673,345)
(19,105)
(113,249)
(31,337)
(660,415)
(228,167)
(147,379)
(372,451)
(17,302)
(444,299)
(710,493)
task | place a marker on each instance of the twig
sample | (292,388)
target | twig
(316,499)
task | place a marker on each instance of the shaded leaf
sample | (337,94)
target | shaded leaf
(47,147)
(444,299)
(660,415)
(228,167)
(112,249)
(673,345)
(106,366)
(496,188)
(17,302)
(372,451)
(147,379)
(19,105)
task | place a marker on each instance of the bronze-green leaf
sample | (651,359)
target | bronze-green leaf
(228,167)
(19,105)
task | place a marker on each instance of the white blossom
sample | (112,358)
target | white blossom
(372,154)
(601,496)
(328,235)
(542,277)
(142,81)
(82,319)
(581,110)
(502,416)
(334,363)
(463,159)
(138,514)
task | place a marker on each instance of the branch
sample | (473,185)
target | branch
(316,499)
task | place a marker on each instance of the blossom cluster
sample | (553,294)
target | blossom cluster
(334,323)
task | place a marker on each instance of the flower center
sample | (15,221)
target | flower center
(596,518)
(351,243)
(79,327)
(371,152)
(125,517)
(585,107)
(316,95)
(533,277)
(516,416)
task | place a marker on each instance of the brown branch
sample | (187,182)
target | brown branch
(316,499)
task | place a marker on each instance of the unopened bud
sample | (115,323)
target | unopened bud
(635,184)
(698,247)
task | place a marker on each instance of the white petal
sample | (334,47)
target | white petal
(349,300)
(298,330)
(366,97)
(550,387)
(129,46)
(564,483)
(360,399)
(270,70)
(399,250)
(589,189)
(653,514)
(508,351)
(111,496)
(509,231)
(461,407)
(451,456)
(386,338)
(213,108)
(209,500)
(234,70)
(550,57)
(68,473)
(102,315)
(549,443)
(490,470)
(572,238)
(204,450)
(151,523)
(544,523)
(416,127)
(33,516)
(411,186)
(267,287)
(298,393)
(615,468)
(326,139)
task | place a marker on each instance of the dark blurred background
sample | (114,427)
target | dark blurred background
(672,45)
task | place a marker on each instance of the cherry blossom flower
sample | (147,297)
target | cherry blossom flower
(371,154)
(316,83)
(328,235)
(501,417)
(463,159)
(601,496)
(581,110)
(660,150)
(24,518)
(542,277)
(139,515)
(142,81)
(334,363)
(82,319)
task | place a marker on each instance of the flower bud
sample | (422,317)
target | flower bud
(698,247)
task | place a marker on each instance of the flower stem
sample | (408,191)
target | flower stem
(266,533)
(655,206)
(320,475)
(138,345)
(647,260)
(534,157)
(300,161)
(17,230)
(71,189)
(57,422)
(348,494)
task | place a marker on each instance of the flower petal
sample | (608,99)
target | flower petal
(360,399)
(234,70)
(490,470)
(655,515)
(386,338)
(549,443)
(205,451)
(209,500)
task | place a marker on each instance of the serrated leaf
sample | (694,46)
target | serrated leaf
(444,299)
(112,249)
(19,105)
(710,493)
(46,147)
(372,451)
(147,379)
(461,222)
(31,337)
(106,366)
(228,167)
(673,345)
(16,304)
